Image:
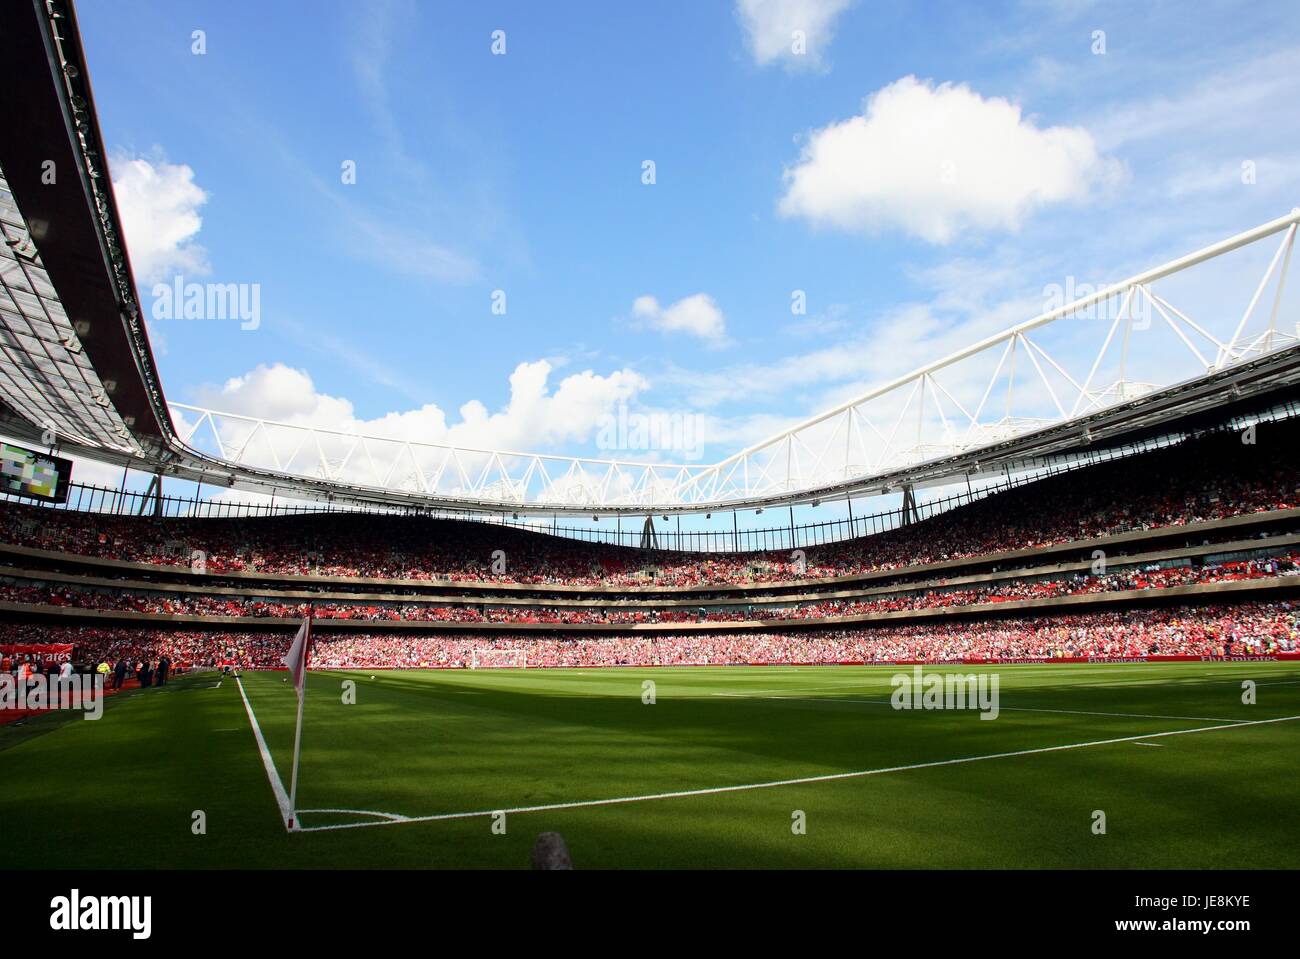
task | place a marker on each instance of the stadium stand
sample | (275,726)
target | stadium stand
(1252,629)
(1010,603)
(1175,487)
(1003,591)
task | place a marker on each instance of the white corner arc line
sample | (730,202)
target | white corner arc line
(803,780)
(277,787)
(395,817)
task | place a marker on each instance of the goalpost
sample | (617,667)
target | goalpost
(498,659)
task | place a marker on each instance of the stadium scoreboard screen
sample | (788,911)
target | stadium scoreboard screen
(25,472)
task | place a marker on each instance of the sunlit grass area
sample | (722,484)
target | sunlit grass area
(707,767)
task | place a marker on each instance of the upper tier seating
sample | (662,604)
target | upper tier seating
(1211,477)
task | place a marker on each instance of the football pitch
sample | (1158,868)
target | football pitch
(714,767)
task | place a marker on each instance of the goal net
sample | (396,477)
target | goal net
(498,659)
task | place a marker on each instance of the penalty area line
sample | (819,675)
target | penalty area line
(803,780)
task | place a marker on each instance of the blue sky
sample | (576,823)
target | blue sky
(523,173)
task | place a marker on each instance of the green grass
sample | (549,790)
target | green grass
(120,792)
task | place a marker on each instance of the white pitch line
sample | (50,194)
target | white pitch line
(1086,712)
(277,787)
(395,817)
(761,693)
(804,780)
(1075,670)
(1157,745)
(1017,709)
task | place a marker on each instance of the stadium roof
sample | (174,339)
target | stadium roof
(44,369)
(76,363)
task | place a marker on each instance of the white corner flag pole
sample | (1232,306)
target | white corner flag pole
(297,734)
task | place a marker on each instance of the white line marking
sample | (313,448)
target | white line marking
(756,693)
(277,787)
(1016,709)
(1087,712)
(395,817)
(804,780)
(1157,745)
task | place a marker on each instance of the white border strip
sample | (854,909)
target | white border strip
(829,777)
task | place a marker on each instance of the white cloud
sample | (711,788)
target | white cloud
(774,28)
(697,315)
(937,161)
(535,417)
(90,472)
(1201,178)
(410,252)
(903,340)
(159,204)
(247,497)
(1243,103)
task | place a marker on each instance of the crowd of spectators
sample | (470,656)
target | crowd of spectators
(1248,629)
(146,672)
(1001,591)
(1209,477)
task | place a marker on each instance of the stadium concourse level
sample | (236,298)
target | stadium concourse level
(1211,477)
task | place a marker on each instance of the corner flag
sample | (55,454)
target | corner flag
(296,660)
